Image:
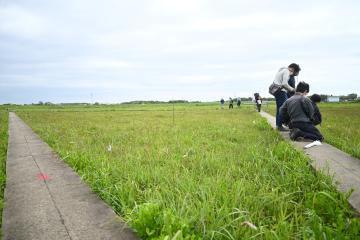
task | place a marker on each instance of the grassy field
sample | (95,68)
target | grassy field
(114,107)
(3,150)
(197,173)
(340,125)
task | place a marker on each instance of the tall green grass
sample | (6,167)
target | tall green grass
(115,107)
(206,174)
(339,126)
(3,151)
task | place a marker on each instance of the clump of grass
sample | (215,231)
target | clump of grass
(210,174)
(3,152)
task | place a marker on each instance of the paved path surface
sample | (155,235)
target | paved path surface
(344,168)
(45,199)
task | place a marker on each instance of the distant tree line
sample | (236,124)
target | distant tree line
(350,97)
(159,102)
(343,98)
(50,103)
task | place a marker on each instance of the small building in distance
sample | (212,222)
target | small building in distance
(333,99)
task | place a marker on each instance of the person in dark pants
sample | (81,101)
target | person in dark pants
(258,101)
(231,103)
(258,104)
(238,102)
(280,98)
(282,78)
(317,119)
(299,111)
(222,101)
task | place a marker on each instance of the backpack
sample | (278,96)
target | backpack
(274,89)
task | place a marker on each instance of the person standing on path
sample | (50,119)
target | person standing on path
(299,112)
(258,104)
(282,78)
(258,101)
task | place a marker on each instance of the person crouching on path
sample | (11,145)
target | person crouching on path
(316,98)
(282,78)
(299,111)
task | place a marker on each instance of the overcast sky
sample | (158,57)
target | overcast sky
(115,50)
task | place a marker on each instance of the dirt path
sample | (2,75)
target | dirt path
(45,199)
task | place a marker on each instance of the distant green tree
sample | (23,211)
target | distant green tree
(178,101)
(323,97)
(352,96)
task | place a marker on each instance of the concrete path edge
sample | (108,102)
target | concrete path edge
(46,199)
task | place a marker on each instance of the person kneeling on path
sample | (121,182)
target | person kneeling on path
(316,98)
(298,113)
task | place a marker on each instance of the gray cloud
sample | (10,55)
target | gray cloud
(124,50)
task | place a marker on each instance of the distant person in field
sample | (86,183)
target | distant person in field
(282,78)
(231,103)
(298,112)
(258,104)
(315,99)
(238,102)
(258,101)
(222,102)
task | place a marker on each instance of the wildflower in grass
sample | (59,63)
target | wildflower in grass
(249,224)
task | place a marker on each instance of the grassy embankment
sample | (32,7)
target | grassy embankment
(3,150)
(198,174)
(340,125)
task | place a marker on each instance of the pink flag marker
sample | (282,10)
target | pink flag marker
(42,176)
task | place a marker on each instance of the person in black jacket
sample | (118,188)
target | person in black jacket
(231,103)
(317,119)
(298,111)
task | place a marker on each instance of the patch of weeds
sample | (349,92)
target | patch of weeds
(153,222)
(4,116)
(328,216)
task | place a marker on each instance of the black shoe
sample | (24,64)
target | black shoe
(295,134)
(282,129)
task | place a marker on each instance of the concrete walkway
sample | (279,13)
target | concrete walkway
(344,168)
(45,199)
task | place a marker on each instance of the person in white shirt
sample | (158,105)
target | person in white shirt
(281,78)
